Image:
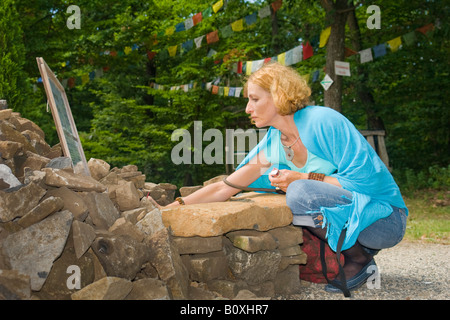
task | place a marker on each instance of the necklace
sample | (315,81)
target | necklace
(288,150)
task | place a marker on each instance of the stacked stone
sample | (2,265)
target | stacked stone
(246,243)
(68,236)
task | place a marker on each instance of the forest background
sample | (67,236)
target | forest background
(119,64)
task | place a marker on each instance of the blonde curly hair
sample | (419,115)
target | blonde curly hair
(290,92)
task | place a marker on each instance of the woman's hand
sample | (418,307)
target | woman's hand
(285,177)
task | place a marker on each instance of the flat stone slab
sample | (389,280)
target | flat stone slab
(254,211)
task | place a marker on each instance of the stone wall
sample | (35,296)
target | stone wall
(67,236)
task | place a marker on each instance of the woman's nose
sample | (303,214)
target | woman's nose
(248,108)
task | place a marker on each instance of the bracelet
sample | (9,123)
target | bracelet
(180,201)
(316,176)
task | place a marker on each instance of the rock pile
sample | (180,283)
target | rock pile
(68,236)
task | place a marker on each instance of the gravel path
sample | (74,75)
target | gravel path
(409,271)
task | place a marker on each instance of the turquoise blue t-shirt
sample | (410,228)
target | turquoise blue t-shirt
(313,162)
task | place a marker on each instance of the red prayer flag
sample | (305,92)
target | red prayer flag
(277,5)
(349,52)
(425,29)
(212,37)
(307,51)
(197,18)
(239,67)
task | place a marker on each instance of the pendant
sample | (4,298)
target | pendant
(289,154)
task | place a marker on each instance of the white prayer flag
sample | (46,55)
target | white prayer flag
(188,23)
(297,55)
(257,64)
(366,55)
(342,68)
(198,41)
(264,12)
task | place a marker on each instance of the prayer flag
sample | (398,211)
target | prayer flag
(296,54)
(127,50)
(395,43)
(212,37)
(264,12)
(410,38)
(349,52)
(231,92)
(307,51)
(288,57)
(99,73)
(426,29)
(172,51)
(379,50)
(215,89)
(179,27)
(257,64)
(248,68)
(250,19)
(365,55)
(237,92)
(71,82)
(226,31)
(188,45)
(239,67)
(315,76)
(198,41)
(226,91)
(188,23)
(197,18)
(281,58)
(277,5)
(324,35)
(238,25)
(207,12)
(170,31)
(306,77)
(216,7)
(85,78)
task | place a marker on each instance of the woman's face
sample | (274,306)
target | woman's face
(260,106)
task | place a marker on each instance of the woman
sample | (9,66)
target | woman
(332,177)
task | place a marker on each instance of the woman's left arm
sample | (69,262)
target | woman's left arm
(286,177)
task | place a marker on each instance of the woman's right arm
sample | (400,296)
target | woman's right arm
(219,191)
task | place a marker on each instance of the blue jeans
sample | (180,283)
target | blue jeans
(306,197)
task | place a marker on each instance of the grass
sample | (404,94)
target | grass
(429,216)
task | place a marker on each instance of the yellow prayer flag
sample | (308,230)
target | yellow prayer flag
(127,50)
(216,6)
(395,43)
(238,25)
(282,58)
(170,31)
(226,91)
(306,77)
(248,70)
(172,51)
(324,35)
(85,78)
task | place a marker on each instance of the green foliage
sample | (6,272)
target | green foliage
(13,84)
(122,120)
(434,177)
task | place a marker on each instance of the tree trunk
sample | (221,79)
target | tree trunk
(337,12)
(373,121)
